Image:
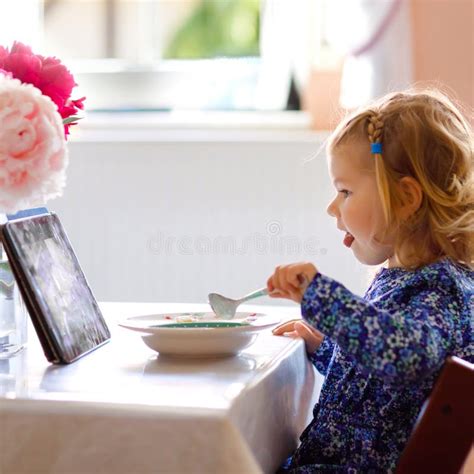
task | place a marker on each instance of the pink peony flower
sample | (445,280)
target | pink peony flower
(3,53)
(56,81)
(33,153)
(6,73)
(47,74)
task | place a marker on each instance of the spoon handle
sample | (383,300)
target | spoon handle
(254,294)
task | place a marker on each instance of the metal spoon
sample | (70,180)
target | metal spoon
(226,307)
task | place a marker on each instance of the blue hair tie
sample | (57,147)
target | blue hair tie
(376,148)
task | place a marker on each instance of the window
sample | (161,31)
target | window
(146,31)
(174,54)
(158,54)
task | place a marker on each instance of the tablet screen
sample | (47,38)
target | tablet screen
(68,311)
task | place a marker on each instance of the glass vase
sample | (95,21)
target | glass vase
(13,312)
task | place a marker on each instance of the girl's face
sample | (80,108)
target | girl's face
(357,206)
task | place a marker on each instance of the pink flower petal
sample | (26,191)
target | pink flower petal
(33,153)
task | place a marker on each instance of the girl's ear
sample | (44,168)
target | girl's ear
(411,196)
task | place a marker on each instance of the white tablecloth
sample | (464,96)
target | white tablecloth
(125,409)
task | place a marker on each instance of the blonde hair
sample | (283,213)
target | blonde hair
(424,136)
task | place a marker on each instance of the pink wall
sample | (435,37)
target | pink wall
(321,98)
(443,56)
(443,41)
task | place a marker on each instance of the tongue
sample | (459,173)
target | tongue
(348,239)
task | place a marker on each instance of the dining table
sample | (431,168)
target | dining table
(124,408)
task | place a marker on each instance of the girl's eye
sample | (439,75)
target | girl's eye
(345,193)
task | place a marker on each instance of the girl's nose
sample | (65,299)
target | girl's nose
(332,208)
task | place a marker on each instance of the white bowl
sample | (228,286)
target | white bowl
(184,341)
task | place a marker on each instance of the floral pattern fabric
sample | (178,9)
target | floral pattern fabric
(381,356)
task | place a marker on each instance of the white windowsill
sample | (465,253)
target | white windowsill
(195,126)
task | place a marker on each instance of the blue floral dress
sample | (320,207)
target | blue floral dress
(380,356)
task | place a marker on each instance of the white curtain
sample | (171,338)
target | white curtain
(285,47)
(375,37)
(372,35)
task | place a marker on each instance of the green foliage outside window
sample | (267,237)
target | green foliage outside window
(218,28)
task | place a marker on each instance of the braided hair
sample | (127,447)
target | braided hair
(375,127)
(423,135)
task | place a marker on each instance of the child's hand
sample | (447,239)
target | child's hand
(291,281)
(298,328)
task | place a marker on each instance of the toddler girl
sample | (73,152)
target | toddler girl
(403,173)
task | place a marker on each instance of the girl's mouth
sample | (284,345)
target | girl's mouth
(348,239)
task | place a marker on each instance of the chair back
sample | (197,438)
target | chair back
(444,432)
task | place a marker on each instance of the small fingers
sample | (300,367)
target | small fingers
(311,336)
(291,281)
(303,330)
(293,276)
(281,280)
(288,334)
(270,285)
(285,327)
(273,290)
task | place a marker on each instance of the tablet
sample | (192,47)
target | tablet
(63,309)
